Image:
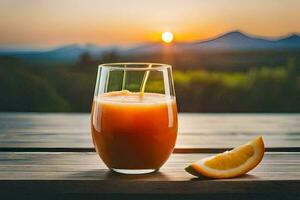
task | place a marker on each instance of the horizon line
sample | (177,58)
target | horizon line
(21,49)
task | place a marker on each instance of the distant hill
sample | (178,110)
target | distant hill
(234,40)
(64,54)
(237,40)
(292,41)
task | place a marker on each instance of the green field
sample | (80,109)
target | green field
(215,82)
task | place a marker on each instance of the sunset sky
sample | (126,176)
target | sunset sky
(47,23)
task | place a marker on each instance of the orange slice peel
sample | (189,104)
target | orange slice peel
(229,164)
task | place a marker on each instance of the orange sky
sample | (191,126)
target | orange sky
(46,23)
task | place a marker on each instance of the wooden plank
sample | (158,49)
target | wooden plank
(88,166)
(81,174)
(204,131)
(176,150)
(81,189)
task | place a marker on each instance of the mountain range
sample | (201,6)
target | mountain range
(235,40)
(238,40)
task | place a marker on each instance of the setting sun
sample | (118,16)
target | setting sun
(167,37)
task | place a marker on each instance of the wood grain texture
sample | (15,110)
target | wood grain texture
(202,131)
(88,166)
(78,173)
(82,175)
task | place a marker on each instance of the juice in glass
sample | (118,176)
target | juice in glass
(134,132)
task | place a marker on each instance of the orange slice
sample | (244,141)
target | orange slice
(232,163)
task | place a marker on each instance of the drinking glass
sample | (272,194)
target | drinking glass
(134,116)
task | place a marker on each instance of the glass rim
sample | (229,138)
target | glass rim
(114,66)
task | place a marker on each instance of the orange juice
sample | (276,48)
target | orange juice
(130,132)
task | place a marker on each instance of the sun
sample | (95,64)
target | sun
(167,37)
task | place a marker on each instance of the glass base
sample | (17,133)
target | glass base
(134,171)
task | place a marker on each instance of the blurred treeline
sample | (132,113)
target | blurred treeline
(219,82)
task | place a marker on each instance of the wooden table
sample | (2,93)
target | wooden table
(47,156)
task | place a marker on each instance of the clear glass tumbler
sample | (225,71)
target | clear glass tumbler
(134,116)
